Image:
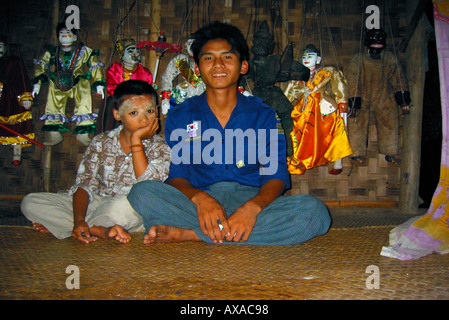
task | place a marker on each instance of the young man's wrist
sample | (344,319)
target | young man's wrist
(195,198)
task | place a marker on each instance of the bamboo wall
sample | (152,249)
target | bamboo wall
(337,30)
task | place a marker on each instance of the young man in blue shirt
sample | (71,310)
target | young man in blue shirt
(228,169)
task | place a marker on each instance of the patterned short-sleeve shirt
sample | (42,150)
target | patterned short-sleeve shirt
(107,171)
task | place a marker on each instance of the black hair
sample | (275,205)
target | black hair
(311,48)
(375,36)
(219,30)
(3,39)
(61,26)
(132,87)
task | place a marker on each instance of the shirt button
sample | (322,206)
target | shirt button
(226,167)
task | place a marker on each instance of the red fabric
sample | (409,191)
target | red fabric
(114,76)
(14,76)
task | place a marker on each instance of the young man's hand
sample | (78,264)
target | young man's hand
(211,217)
(242,222)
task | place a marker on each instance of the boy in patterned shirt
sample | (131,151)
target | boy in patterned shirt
(96,206)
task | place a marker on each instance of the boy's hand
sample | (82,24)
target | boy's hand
(146,132)
(81,232)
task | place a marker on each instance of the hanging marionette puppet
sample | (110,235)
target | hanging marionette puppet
(129,68)
(266,70)
(71,67)
(15,102)
(377,85)
(190,84)
(319,133)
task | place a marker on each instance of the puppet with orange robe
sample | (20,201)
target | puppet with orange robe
(320,105)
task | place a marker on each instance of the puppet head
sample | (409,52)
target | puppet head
(188,46)
(127,48)
(2,46)
(66,37)
(375,41)
(311,56)
(263,44)
(26,100)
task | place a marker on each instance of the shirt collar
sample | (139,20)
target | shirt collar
(242,106)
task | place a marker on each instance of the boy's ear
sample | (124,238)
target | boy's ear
(244,67)
(116,114)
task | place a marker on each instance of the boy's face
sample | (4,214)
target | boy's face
(219,66)
(136,112)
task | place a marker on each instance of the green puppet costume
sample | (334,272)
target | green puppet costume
(69,70)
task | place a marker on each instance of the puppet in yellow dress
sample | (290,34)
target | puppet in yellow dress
(319,133)
(72,70)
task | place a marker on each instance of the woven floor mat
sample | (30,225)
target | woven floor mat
(333,266)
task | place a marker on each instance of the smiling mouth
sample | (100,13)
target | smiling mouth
(218,75)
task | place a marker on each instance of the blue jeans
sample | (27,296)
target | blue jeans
(287,220)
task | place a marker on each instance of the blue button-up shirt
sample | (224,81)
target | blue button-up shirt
(249,150)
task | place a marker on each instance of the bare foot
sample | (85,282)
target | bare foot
(115,232)
(40,228)
(169,234)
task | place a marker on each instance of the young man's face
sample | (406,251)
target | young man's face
(136,111)
(219,67)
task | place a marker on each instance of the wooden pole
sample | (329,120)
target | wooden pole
(284,33)
(47,169)
(156,17)
(55,18)
(47,151)
(411,151)
(419,11)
